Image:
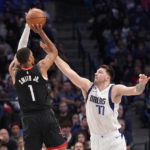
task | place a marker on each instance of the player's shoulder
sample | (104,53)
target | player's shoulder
(91,86)
(117,86)
(116,89)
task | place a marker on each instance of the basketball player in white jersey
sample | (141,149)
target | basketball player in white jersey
(102,101)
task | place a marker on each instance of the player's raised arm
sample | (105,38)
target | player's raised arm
(121,90)
(51,51)
(12,68)
(22,43)
(24,37)
(80,82)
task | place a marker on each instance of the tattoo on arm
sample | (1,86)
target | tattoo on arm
(140,88)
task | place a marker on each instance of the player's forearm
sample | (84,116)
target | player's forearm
(62,65)
(12,64)
(49,43)
(122,90)
(136,90)
(24,37)
(139,88)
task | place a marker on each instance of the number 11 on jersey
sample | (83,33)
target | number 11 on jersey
(32,93)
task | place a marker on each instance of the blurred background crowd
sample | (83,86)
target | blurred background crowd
(121,29)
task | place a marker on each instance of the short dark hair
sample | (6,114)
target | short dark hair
(23,55)
(109,70)
(66,124)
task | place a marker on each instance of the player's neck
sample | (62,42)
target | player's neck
(26,65)
(102,86)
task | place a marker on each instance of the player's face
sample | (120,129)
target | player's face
(101,76)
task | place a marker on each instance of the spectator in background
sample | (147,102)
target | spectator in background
(63,112)
(128,136)
(15,132)
(81,137)
(6,141)
(83,128)
(66,132)
(140,51)
(75,122)
(67,95)
(3,61)
(55,89)
(77,105)
(20,143)
(140,104)
(121,54)
(128,69)
(121,115)
(83,111)
(147,70)
(78,146)
(7,115)
(125,29)
(10,89)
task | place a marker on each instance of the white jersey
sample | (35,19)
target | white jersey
(101,112)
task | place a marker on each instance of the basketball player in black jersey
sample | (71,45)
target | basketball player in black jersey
(30,80)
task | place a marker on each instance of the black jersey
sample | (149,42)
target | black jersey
(32,90)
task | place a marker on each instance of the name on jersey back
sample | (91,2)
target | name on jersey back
(28,78)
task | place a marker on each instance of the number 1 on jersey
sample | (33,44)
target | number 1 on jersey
(32,93)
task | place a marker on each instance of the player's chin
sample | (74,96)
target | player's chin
(95,81)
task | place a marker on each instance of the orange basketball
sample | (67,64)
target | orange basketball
(35,16)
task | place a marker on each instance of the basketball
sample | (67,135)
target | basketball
(35,16)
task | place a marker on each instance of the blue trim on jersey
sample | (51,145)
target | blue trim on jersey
(110,100)
(89,92)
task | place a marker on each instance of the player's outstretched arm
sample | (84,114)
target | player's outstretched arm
(22,43)
(80,82)
(121,90)
(24,37)
(51,49)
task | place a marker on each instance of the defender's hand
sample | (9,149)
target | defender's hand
(143,79)
(44,46)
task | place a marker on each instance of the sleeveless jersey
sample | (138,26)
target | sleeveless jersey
(101,112)
(32,90)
